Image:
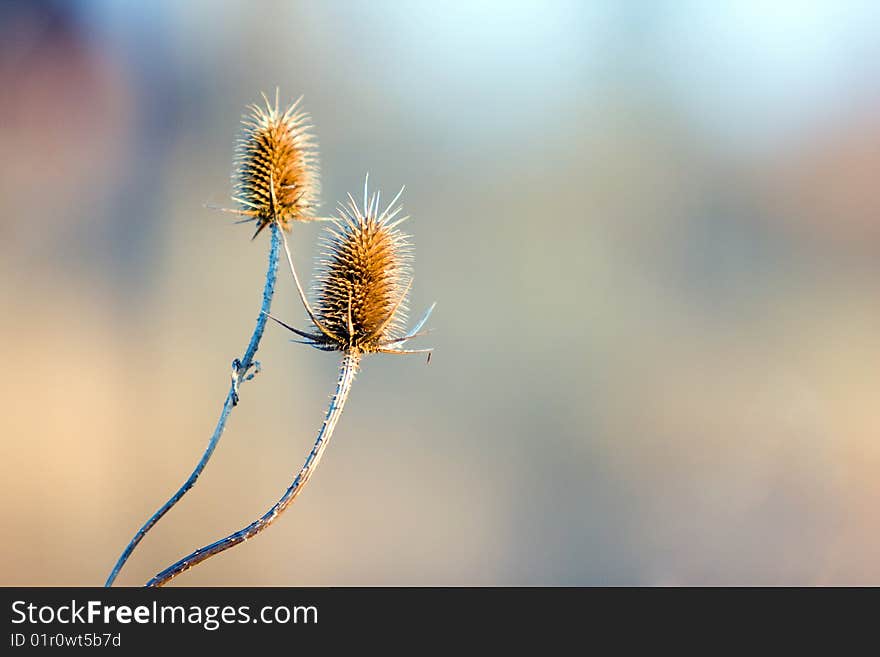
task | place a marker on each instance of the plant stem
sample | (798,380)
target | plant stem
(240,374)
(347,372)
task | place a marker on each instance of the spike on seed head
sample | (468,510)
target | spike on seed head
(276,176)
(363,278)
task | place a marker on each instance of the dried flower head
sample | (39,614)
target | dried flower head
(363,278)
(276,176)
(362,282)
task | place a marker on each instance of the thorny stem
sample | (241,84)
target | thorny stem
(240,370)
(347,372)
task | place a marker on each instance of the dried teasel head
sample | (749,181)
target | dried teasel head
(362,282)
(276,177)
(363,277)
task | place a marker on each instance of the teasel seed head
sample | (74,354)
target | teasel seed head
(276,176)
(362,283)
(363,277)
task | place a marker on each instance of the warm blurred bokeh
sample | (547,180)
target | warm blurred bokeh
(654,237)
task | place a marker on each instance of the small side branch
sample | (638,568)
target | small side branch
(240,373)
(347,372)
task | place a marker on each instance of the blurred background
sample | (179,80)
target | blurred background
(652,229)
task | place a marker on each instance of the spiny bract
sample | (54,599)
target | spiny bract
(276,176)
(363,278)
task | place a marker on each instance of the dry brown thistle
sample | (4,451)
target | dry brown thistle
(276,176)
(360,301)
(363,278)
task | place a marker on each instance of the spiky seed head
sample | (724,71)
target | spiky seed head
(363,277)
(276,177)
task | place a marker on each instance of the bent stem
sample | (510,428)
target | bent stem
(240,370)
(347,372)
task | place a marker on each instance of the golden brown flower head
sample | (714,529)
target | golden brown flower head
(361,285)
(276,175)
(363,278)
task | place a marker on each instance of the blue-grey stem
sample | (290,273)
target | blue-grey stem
(240,368)
(347,372)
